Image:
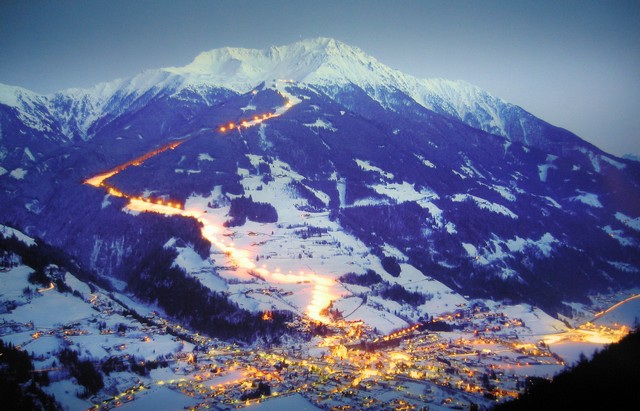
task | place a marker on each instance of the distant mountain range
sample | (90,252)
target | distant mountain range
(376,169)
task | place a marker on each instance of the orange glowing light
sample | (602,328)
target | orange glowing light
(97,180)
(321,288)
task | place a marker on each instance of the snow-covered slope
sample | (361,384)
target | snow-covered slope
(31,108)
(397,163)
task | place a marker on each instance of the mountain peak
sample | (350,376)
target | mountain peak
(324,63)
(327,45)
(241,69)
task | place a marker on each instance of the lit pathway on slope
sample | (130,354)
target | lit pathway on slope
(322,293)
(49,288)
(98,180)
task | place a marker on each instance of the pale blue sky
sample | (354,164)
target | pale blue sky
(575,64)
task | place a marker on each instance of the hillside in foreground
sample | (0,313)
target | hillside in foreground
(609,381)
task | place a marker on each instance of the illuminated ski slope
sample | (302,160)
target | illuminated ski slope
(322,292)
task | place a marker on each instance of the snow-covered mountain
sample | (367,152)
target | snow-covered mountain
(331,65)
(435,186)
(324,63)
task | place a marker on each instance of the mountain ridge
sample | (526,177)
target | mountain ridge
(324,63)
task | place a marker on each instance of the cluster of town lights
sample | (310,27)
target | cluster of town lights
(345,369)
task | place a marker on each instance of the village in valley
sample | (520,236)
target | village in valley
(468,358)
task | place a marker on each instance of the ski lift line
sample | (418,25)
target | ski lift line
(354,310)
(414,281)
